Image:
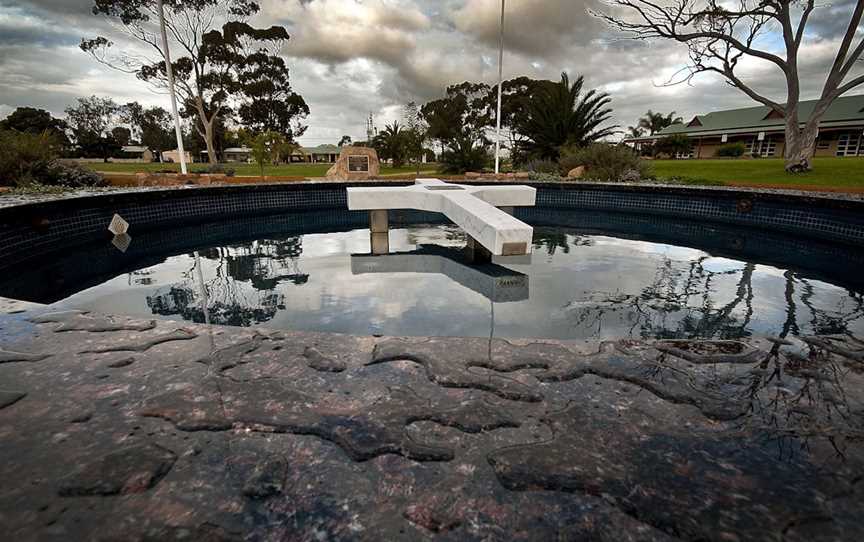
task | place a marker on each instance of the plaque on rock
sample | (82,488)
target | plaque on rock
(355,164)
(358,164)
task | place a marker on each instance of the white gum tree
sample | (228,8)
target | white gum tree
(720,33)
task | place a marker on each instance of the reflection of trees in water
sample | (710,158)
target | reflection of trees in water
(552,239)
(685,302)
(796,413)
(263,265)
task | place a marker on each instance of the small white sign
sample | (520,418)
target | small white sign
(118,226)
(724,138)
(761,136)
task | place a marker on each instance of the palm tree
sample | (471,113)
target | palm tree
(561,115)
(635,131)
(390,144)
(654,122)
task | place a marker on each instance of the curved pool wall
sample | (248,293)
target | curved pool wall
(823,235)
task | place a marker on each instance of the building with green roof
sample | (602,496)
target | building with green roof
(761,129)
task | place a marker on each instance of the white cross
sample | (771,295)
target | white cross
(472,208)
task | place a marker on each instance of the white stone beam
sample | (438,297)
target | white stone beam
(472,208)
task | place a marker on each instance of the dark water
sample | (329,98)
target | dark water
(579,284)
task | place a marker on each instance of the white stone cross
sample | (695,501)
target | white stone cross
(472,208)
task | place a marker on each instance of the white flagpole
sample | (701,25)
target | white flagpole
(500,81)
(170,72)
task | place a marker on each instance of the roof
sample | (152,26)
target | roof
(237,149)
(323,149)
(134,148)
(846,110)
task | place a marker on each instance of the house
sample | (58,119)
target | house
(236,154)
(326,154)
(761,129)
(135,153)
(174,156)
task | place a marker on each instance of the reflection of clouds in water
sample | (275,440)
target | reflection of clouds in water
(580,287)
(721,265)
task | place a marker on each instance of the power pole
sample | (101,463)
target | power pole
(500,82)
(170,72)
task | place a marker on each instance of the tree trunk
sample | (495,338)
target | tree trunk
(800,145)
(208,134)
(208,141)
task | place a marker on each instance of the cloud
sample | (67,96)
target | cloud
(540,29)
(352,57)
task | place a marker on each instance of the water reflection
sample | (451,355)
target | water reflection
(581,286)
(494,282)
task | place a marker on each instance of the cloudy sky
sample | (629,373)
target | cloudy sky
(352,57)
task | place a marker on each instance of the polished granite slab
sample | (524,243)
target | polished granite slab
(125,429)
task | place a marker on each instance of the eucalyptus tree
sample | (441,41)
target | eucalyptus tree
(414,134)
(35,121)
(90,121)
(723,36)
(219,61)
(459,122)
(516,95)
(152,126)
(562,115)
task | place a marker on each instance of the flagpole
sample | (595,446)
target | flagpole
(500,82)
(170,72)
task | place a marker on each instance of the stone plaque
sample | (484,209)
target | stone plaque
(358,164)
(355,164)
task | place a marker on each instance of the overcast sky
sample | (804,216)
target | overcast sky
(352,57)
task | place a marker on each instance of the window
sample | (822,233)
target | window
(849,144)
(685,154)
(823,142)
(765,148)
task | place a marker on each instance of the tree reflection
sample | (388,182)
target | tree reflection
(242,289)
(686,300)
(552,240)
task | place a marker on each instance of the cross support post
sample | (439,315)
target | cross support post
(379,231)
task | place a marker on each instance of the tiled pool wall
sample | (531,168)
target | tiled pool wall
(39,230)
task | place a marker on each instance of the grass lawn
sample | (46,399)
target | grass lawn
(288,170)
(845,174)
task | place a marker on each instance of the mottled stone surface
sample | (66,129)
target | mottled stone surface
(116,429)
(82,321)
(343,169)
(10,397)
(130,470)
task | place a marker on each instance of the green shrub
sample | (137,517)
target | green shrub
(569,160)
(31,160)
(23,155)
(731,150)
(606,163)
(70,174)
(456,163)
